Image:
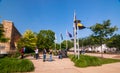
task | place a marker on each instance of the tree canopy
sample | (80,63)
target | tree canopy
(114,42)
(67,43)
(103,31)
(45,39)
(28,40)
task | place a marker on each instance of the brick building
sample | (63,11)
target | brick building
(12,34)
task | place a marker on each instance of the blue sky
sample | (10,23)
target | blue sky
(57,15)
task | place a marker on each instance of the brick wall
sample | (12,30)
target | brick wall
(13,34)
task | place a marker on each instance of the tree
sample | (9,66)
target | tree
(69,44)
(28,41)
(57,46)
(45,39)
(114,42)
(103,31)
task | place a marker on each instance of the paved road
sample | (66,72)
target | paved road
(66,66)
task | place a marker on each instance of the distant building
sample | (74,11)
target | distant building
(104,49)
(13,34)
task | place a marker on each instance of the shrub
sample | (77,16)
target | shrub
(85,60)
(8,65)
(14,54)
(108,60)
(80,63)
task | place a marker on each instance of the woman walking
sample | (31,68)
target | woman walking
(50,55)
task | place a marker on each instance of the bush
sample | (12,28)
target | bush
(8,65)
(85,60)
(108,60)
(80,63)
(14,54)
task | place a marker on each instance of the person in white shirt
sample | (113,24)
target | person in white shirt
(36,53)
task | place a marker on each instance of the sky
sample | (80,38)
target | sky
(58,15)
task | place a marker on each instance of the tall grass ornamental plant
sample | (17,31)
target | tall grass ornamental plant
(10,65)
(86,61)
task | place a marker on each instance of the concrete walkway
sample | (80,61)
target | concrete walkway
(66,66)
(56,66)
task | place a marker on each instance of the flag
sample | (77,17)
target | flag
(79,25)
(61,36)
(69,34)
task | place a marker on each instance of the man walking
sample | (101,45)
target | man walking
(44,55)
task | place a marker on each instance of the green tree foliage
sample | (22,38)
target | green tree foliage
(28,40)
(103,31)
(69,44)
(114,42)
(45,39)
(88,41)
(57,46)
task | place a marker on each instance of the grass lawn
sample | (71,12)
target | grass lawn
(86,61)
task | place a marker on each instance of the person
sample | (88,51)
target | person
(59,54)
(50,55)
(24,49)
(36,53)
(22,52)
(44,55)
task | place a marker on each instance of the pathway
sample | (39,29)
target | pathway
(66,66)
(56,66)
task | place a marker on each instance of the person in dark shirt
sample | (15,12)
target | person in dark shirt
(59,54)
(44,55)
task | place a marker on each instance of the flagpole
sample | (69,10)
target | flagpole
(61,37)
(55,42)
(60,43)
(74,31)
(55,46)
(66,40)
(66,43)
(78,49)
(78,44)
